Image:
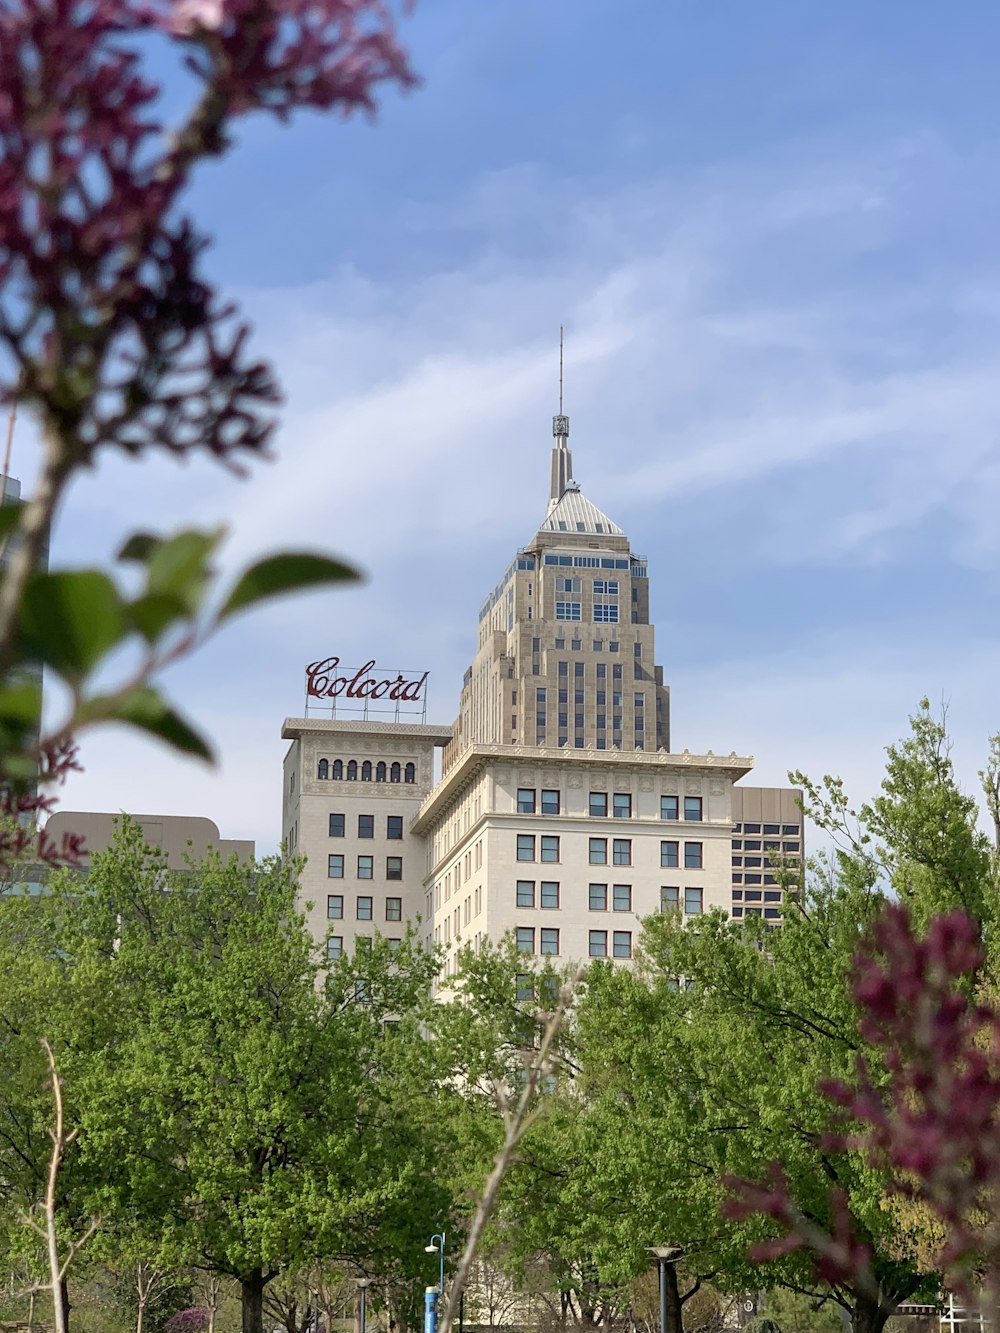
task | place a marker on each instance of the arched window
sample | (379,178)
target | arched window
(380,771)
(324,769)
(352,770)
(410,773)
(338,769)
(366,771)
(394,773)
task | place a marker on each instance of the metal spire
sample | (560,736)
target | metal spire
(562,459)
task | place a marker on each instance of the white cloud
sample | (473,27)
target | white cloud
(720,337)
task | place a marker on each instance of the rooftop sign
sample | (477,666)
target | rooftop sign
(364,689)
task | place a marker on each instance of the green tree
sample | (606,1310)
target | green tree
(705,1061)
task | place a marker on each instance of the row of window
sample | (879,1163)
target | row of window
(754,845)
(366,866)
(603,587)
(364,907)
(548,942)
(338,771)
(366,826)
(586,561)
(547,847)
(545,894)
(528,803)
(785,830)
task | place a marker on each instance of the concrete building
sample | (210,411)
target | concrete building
(176,835)
(560,814)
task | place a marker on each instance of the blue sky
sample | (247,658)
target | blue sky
(771,233)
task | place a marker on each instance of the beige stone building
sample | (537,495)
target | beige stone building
(177,836)
(560,813)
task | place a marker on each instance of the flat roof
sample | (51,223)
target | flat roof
(293,728)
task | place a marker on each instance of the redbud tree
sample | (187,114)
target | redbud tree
(113,338)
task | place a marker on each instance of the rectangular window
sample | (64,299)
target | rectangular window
(526,939)
(751,844)
(549,940)
(550,847)
(693,902)
(394,828)
(622,941)
(335,867)
(692,808)
(525,846)
(548,893)
(598,803)
(336,826)
(670,898)
(601,670)
(751,828)
(791,847)
(563,668)
(525,800)
(622,851)
(364,907)
(525,893)
(334,946)
(606,613)
(621,899)
(366,867)
(669,854)
(772,829)
(598,897)
(598,944)
(577,667)
(550,802)
(598,851)
(394,867)
(568,610)
(606,587)
(524,988)
(622,805)
(668,807)
(366,826)
(692,856)
(790,830)
(334,906)
(393,909)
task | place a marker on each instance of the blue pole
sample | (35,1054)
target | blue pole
(430,1310)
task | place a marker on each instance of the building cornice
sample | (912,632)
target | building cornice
(477,757)
(294,728)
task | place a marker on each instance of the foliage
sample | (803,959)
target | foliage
(113,338)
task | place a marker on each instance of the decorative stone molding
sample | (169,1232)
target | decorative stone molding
(669,785)
(646,782)
(717,788)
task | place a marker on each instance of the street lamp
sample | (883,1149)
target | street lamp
(434,1249)
(363,1283)
(665,1254)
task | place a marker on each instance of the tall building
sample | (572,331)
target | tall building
(561,814)
(565,652)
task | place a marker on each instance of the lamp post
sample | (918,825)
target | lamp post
(434,1249)
(665,1254)
(432,1297)
(363,1283)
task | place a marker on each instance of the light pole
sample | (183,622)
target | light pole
(665,1254)
(362,1301)
(432,1297)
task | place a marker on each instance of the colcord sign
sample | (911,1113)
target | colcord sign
(322,682)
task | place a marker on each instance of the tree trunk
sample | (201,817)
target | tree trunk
(869,1316)
(64,1306)
(252,1301)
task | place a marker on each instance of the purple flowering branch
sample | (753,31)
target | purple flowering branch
(930,1122)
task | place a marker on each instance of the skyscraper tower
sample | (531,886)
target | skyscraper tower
(566,651)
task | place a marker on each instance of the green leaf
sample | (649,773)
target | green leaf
(178,566)
(70,619)
(139,547)
(21,702)
(154,612)
(146,709)
(289,571)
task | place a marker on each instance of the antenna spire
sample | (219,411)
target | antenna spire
(562,460)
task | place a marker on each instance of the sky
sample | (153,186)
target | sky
(770,232)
